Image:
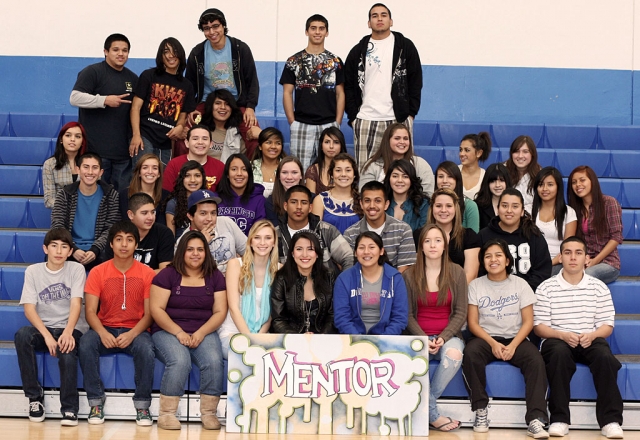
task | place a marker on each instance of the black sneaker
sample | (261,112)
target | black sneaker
(36,410)
(69,419)
(143,417)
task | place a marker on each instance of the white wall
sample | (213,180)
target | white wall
(517,33)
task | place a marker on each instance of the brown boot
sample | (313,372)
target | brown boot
(208,410)
(167,417)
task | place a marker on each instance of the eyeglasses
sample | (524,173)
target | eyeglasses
(214,27)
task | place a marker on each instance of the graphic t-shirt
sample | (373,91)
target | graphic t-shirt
(377,104)
(51,292)
(315,77)
(499,304)
(370,301)
(218,70)
(165,98)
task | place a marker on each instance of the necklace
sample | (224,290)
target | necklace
(307,315)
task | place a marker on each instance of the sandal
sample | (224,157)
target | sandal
(440,427)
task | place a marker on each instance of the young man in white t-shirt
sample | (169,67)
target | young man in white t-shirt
(574,314)
(383,83)
(52,298)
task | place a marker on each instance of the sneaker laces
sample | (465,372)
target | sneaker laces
(144,413)
(69,414)
(481,417)
(536,426)
(35,406)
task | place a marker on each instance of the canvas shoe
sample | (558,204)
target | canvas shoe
(69,419)
(96,416)
(558,429)
(536,429)
(36,410)
(143,417)
(612,430)
(481,423)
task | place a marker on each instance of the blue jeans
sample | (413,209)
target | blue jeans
(29,340)
(117,172)
(164,155)
(177,360)
(445,371)
(141,348)
(602,271)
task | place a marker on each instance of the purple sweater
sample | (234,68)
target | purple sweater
(189,307)
(244,214)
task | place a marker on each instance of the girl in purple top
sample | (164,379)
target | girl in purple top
(188,304)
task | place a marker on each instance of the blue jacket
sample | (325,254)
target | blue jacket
(394,307)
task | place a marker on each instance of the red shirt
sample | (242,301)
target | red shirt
(117,290)
(213,170)
(433,318)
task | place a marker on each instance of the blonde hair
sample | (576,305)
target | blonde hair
(246,270)
(457,232)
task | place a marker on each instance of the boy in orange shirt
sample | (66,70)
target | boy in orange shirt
(120,287)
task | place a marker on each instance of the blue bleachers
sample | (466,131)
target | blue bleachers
(619,138)
(35,125)
(22,247)
(451,133)
(624,339)
(21,180)
(625,296)
(10,376)
(567,160)
(4,124)
(503,135)
(25,150)
(13,212)
(425,133)
(11,281)
(12,318)
(39,216)
(546,158)
(571,136)
(629,260)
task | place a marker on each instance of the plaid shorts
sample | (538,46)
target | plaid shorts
(367,136)
(305,141)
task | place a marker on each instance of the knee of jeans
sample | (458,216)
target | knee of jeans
(23,335)
(452,358)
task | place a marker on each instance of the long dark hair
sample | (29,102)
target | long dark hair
(533,167)
(178,52)
(263,137)
(225,191)
(208,265)
(527,225)
(277,196)
(235,119)
(453,171)
(355,193)
(59,154)
(495,171)
(384,258)
(415,193)
(328,132)
(480,141)
(179,193)
(319,273)
(599,219)
(385,153)
(560,208)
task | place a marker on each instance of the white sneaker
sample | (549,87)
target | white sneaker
(481,423)
(558,429)
(536,429)
(612,430)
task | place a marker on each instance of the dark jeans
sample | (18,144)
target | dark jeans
(117,172)
(477,354)
(29,340)
(143,361)
(561,359)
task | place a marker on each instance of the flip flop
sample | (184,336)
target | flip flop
(439,427)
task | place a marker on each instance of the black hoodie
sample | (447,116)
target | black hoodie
(532,261)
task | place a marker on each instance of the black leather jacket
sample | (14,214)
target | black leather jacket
(287,307)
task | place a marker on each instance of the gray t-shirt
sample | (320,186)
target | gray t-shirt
(51,292)
(499,304)
(370,301)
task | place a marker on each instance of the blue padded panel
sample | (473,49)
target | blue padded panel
(10,376)
(568,160)
(629,227)
(12,318)
(504,380)
(125,373)
(7,247)
(625,296)
(456,387)
(433,155)
(503,135)
(346,131)
(425,133)
(546,158)
(68,117)
(625,164)
(4,124)
(611,187)
(629,260)
(350,150)
(632,382)
(39,215)
(494,157)
(571,136)
(582,383)
(450,153)
(24,150)
(13,212)
(285,128)
(12,280)
(29,247)
(35,124)
(631,193)
(619,138)
(265,121)
(624,339)
(20,180)
(451,133)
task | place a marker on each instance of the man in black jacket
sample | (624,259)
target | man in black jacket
(223,62)
(382,83)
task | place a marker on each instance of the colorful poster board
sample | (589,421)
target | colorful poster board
(328,384)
